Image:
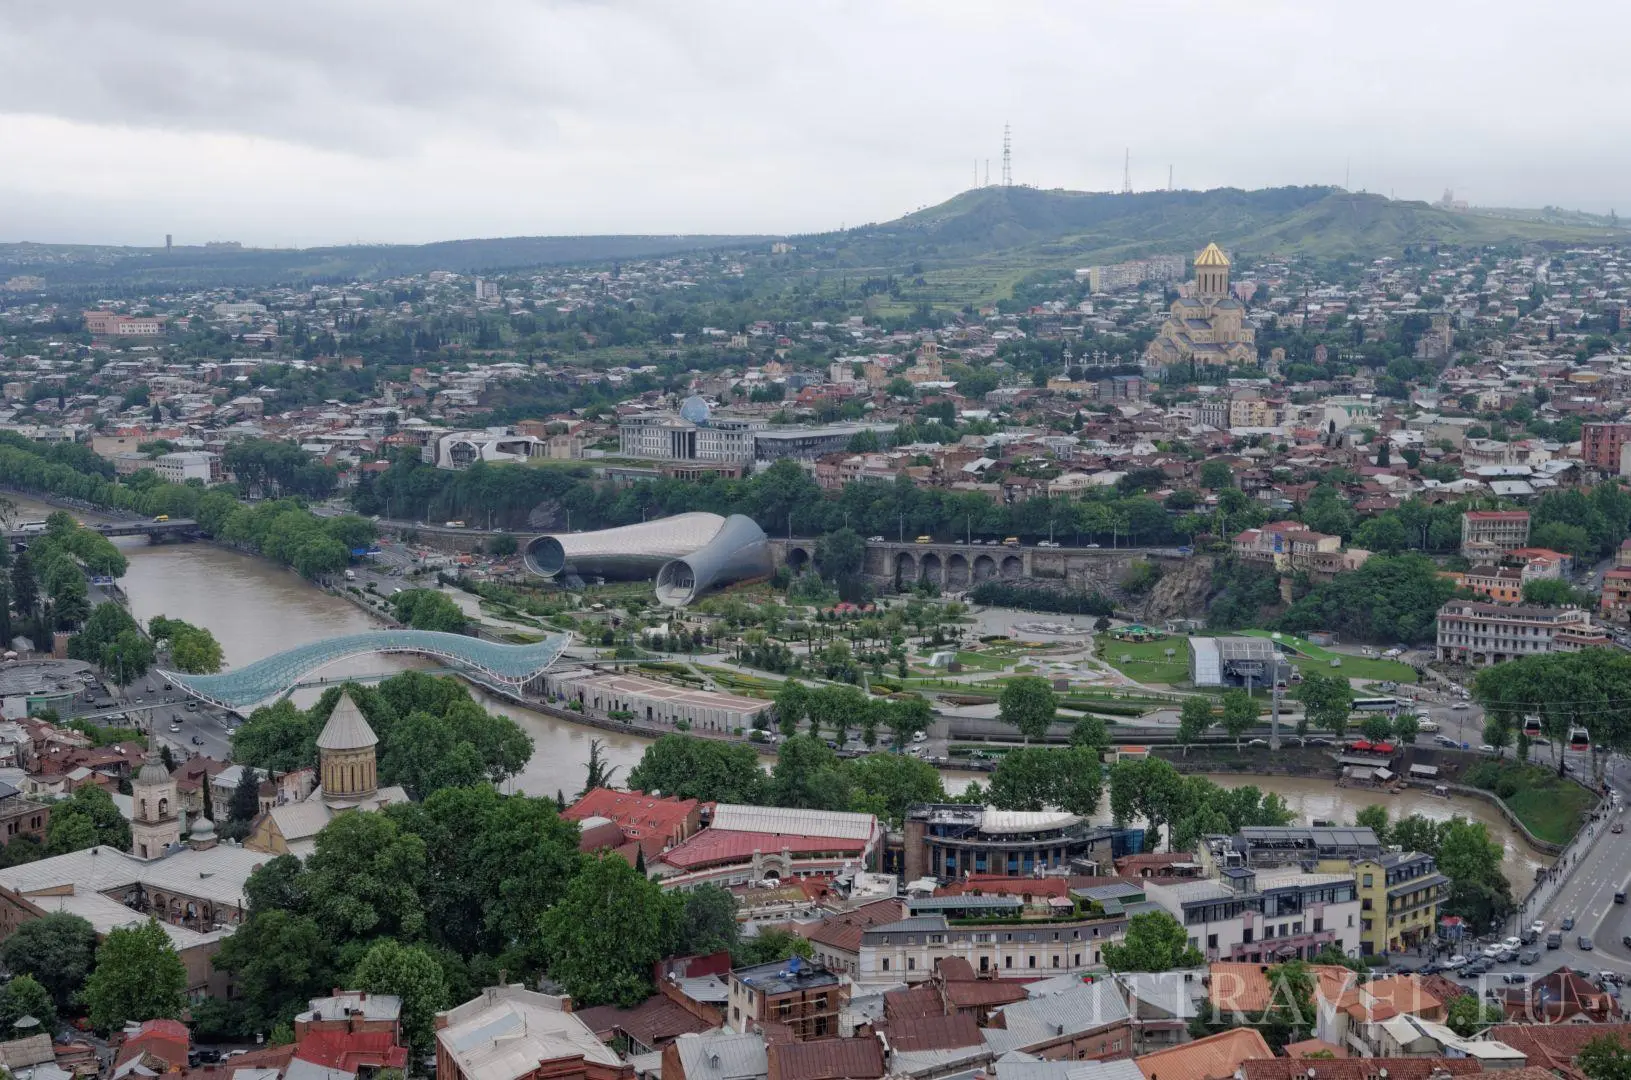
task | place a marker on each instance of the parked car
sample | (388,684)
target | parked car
(1529,956)
(1512,943)
(1514,978)
(1456,961)
(1460,706)
(1617,828)
(1538,926)
(1445,740)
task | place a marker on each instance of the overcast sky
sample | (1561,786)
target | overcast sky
(302,122)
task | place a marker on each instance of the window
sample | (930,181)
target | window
(1008,961)
(1366,880)
(1030,961)
(1211,941)
(886,963)
(911,963)
(1319,924)
(1350,922)
(1297,927)
(1246,936)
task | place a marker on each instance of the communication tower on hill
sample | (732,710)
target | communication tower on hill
(1007,160)
(1127,172)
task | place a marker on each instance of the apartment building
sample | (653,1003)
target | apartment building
(1000,936)
(950,840)
(1479,633)
(1601,443)
(1400,895)
(1265,918)
(805,997)
(1502,584)
(1486,535)
(1616,598)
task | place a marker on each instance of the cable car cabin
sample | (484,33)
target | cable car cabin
(1531,726)
(1579,739)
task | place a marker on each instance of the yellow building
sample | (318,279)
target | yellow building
(348,779)
(1207,327)
(1399,899)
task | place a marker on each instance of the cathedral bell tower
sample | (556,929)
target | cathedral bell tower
(156,815)
(1212,274)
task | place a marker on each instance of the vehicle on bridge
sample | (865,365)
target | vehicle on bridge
(161,518)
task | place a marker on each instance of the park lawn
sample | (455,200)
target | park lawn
(980,661)
(1353,667)
(1552,812)
(1148,661)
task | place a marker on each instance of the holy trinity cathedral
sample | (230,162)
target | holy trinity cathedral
(1208,326)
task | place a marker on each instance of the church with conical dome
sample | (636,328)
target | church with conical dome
(347,779)
(1207,327)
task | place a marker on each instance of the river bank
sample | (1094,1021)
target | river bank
(256,608)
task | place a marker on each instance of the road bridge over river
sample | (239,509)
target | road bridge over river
(955,566)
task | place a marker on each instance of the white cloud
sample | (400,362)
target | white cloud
(307,122)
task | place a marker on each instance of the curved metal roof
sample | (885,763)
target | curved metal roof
(629,550)
(738,552)
(251,684)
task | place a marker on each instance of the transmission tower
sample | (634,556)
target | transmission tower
(1007,160)
(1169,177)
(1127,172)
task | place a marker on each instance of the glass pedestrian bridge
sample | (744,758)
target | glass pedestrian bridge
(512,666)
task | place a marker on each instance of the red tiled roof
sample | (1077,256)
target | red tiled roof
(826,1059)
(639,814)
(653,1022)
(843,932)
(935,1032)
(1315,1048)
(1421,1068)
(349,1050)
(166,1039)
(714,846)
(984,993)
(1555,1046)
(1214,1057)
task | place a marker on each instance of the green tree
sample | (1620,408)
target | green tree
(1554,592)
(1038,778)
(412,974)
(770,945)
(138,976)
(127,657)
(887,784)
(1377,727)
(279,960)
(840,553)
(1604,1058)
(1239,714)
(426,754)
(1193,719)
(86,819)
(24,996)
(792,707)
(1148,788)
(56,950)
(364,879)
(1374,817)
(689,767)
(1091,733)
(808,776)
(1468,1015)
(707,922)
(1028,703)
(601,940)
(1327,701)
(1216,475)
(1155,942)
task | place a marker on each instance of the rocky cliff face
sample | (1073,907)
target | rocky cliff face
(1180,593)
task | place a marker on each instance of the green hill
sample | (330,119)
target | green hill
(152,269)
(976,246)
(1313,220)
